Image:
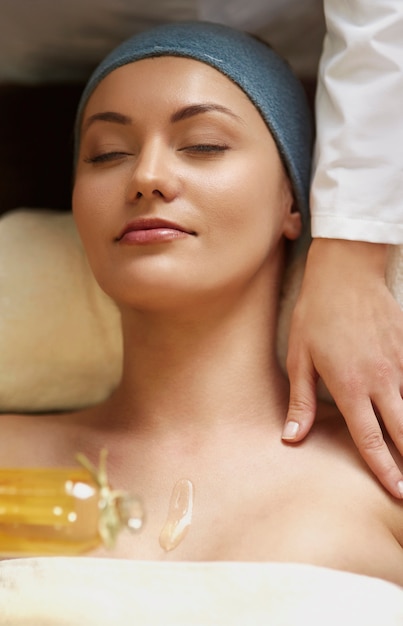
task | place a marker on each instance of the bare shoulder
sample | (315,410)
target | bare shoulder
(385,507)
(15,429)
(31,440)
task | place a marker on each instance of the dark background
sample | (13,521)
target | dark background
(36,145)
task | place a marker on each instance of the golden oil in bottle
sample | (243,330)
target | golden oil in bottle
(62,511)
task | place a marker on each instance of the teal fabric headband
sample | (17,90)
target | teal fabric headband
(265,78)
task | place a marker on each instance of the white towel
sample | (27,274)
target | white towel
(99,592)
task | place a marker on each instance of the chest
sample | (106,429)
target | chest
(322,518)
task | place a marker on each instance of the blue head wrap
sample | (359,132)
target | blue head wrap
(265,78)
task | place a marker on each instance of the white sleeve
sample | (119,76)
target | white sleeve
(357,189)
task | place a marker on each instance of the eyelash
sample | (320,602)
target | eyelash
(198,148)
(107,156)
(206,148)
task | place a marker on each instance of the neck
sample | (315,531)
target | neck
(198,372)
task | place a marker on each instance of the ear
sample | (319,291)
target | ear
(292,225)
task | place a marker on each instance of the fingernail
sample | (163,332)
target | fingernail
(400,487)
(290,430)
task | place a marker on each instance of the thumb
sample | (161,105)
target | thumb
(302,404)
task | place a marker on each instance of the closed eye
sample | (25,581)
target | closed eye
(205,148)
(106,156)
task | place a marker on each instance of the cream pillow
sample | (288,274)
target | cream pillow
(60,338)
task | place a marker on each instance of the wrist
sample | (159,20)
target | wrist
(356,255)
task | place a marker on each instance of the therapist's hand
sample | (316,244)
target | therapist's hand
(347,329)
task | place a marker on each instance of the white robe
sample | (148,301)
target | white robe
(357,190)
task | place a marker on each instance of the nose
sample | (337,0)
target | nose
(153,174)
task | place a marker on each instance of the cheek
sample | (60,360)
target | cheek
(82,209)
(247,205)
(91,218)
(90,194)
(91,203)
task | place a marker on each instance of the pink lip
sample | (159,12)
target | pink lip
(152,230)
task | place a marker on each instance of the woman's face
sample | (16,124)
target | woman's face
(179,189)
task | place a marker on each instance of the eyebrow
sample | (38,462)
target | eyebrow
(182,114)
(107,116)
(196,109)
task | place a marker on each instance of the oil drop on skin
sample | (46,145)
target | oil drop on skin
(179,515)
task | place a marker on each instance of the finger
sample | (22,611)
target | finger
(391,411)
(302,404)
(368,437)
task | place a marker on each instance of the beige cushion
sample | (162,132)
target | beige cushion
(60,338)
